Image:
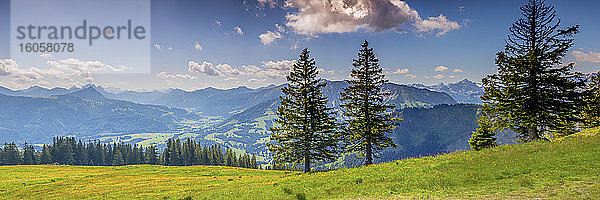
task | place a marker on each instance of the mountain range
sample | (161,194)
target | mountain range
(464,91)
(237,118)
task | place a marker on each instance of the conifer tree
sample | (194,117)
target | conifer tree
(11,154)
(28,155)
(305,129)
(151,155)
(368,116)
(533,93)
(45,157)
(253,161)
(118,157)
(484,137)
(591,111)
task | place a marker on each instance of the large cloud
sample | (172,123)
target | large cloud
(226,68)
(204,68)
(339,16)
(64,73)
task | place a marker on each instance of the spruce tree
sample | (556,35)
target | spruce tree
(28,154)
(11,154)
(151,155)
(117,157)
(591,110)
(368,116)
(533,93)
(484,137)
(45,157)
(305,127)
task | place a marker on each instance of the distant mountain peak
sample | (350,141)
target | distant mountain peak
(87,93)
(465,81)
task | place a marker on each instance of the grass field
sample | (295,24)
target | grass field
(563,169)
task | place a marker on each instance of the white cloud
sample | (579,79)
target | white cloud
(79,66)
(439,23)
(8,67)
(410,76)
(276,69)
(46,55)
(268,37)
(457,70)
(339,16)
(270,69)
(204,68)
(157,46)
(439,76)
(586,57)
(398,71)
(63,73)
(250,68)
(169,48)
(226,68)
(197,46)
(164,75)
(238,30)
(441,69)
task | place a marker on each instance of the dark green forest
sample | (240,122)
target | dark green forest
(66,150)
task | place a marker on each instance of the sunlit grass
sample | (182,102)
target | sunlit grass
(569,168)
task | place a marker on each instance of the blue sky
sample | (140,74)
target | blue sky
(198,44)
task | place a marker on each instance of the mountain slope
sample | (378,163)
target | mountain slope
(566,169)
(82,113)
(442,128)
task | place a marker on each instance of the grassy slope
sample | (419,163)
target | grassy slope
(567,168)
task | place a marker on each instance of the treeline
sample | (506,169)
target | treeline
(71,152)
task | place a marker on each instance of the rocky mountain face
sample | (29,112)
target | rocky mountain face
(464,91)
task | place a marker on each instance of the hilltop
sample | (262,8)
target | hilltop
(565,168)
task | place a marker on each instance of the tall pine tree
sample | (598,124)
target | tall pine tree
(368,116)
(305,130)
(533,93)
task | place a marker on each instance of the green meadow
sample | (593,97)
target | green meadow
(567,168)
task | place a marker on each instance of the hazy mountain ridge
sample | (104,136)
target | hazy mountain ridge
(83,113)
(236,100)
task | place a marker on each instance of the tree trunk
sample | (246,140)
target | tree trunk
(306,164)
(369,154)
(533,134)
